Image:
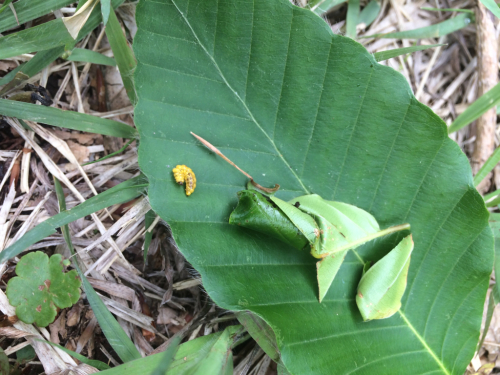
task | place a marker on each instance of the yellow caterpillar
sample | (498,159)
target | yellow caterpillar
(185,174)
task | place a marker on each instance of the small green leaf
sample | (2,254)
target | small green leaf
(433,31)
(26,354)
(41,287)
(383,285)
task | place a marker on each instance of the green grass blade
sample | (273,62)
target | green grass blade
(123,55)
(112,154)
(433,31)
(168,356)
(10,75)
(323,6)
(38,38)
(352,18)
(48,35)
(448,10)
(86,55)
(92,362)
(148,236)
(487,101)
(121,193)
(28,10)
(369,13)
(115,334)
(492,6)
(487,167)
(385,55)
(493,202)
(203,355)
(5,5)
(105,9)
(66,119)
(33,66)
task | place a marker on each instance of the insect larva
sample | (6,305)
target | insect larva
(183,174)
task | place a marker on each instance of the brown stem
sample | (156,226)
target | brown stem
(216,150)
(487,52)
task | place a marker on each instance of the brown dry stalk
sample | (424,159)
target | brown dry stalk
(487,53)
(216,150)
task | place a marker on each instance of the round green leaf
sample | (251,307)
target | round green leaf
(40,287)
(289,102)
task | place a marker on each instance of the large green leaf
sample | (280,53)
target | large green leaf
(289,102)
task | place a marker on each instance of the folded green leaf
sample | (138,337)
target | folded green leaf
(383,285)
(433,31)
(330,228)
(86,55)
(121,193)
(255,211)
(385,55)
(66,119)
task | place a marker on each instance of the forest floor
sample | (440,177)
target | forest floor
(167,292)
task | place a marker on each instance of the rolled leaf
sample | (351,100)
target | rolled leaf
(342,226)
(255,211)
(383,285)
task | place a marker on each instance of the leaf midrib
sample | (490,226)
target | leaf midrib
(243,103)
(278,153)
